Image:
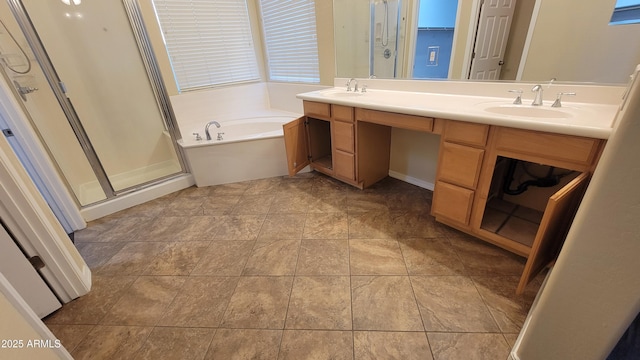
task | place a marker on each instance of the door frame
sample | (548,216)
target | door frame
(34,226)
(40,167)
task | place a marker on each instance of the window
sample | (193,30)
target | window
(290,40)
(209,42)
(626,12)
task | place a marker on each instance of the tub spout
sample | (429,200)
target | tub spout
(206,128)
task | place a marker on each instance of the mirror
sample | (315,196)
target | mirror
(560,44)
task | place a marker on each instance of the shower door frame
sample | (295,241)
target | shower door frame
(154,76)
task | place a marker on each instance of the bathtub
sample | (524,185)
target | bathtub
(252,147)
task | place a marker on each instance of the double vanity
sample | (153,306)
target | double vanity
(510,174)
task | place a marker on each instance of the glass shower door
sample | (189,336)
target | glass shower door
(92,47)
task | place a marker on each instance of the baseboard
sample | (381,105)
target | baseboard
(137,197)
(411,180)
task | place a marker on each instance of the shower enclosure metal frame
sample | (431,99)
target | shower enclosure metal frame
(150,63)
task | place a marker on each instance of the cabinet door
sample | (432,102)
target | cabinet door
(452,202)
(344,165)
(296,145)
(557,218)
(460,164)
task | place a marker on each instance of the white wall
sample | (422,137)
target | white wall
(573,41)
(414,157)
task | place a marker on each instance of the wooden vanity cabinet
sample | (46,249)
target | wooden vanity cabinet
(353,145)
(325,139)
(462,149)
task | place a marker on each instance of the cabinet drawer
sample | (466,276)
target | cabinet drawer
(466,133)
(411,122)
(342,113)
(343,138)
(344,165)
(317,109)
(452,202)
(575,149)
(460,164)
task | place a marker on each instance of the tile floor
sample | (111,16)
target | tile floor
(291,268)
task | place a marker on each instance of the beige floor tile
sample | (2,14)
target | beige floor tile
(279,226)
(145,301)
(414,225)
(97,254)
(322,183)
(198,228)
(111,342)
(481,258)
(409,201)
(133,259)
(176,343)
(177,258)
(273,257)
(316,344)
(468,346)
(95,230)
(290,203)
(430,257)
(126,229)
(499,293)
(220,205)
(185,206)
(70,335)
(244,344)
(451,303)
(376,257)
(239,227)
(201,302)
(358,201)
(232,189)
(374,345)
(323,257)
(259,303)
(320,302)
(253,204)
(370,225)
(326,226)
(224,258)
(263,186)
(328,201)
(182,228)
(511,339)
(384,303)
(92,307)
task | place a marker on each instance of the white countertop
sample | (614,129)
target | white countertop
(573,118)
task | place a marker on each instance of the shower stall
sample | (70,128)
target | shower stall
(86,77)
(385,26)
(369,37)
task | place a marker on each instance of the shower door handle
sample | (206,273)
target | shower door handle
(24,90)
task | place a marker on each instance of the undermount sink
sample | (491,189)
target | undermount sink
(528,111)
(342,93)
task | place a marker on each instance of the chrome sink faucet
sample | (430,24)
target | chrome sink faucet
(355,88)
(538,99)
(206,128)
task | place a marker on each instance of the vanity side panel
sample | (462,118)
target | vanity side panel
(373,144)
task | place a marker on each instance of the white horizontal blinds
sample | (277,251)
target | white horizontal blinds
(209,41)
(290,39)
